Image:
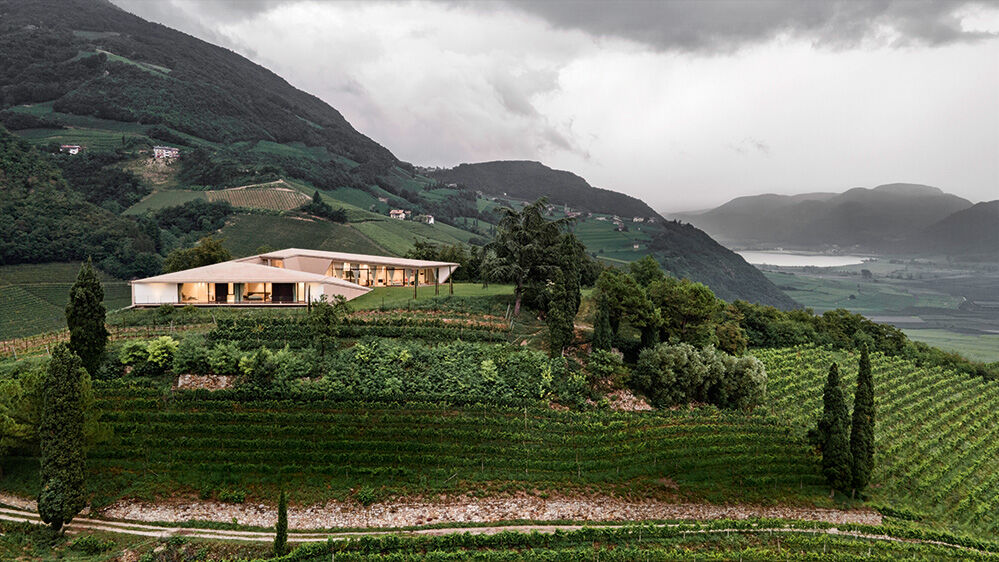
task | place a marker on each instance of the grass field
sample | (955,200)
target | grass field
(400,297)
(246,233)
(162,199)
(89,139)
(33,297)
(977,347)
(828,292)
(935,435)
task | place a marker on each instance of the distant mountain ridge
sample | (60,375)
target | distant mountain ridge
(972,232)
(685,250)
(880,218)
(529,180)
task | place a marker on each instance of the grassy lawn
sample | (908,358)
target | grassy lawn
(246,233)
(162,199)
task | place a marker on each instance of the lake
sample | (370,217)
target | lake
(784,259)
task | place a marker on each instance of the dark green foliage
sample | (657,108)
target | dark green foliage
(689,310)
(603,335)
(834,433)
(321,208)
(195,217)
(61,436)
(43,220)
(469,258)
(559,316)
(281,529)
(862,429)
(326,320)
(671,375)
(85,314)
(646,271)
(98,178)
(206,252)
(525,251)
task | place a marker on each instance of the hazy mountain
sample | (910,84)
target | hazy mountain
(522,179)
(972,232)
(876,219)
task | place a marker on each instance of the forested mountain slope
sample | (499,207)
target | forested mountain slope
(972,232)
(874,219)
(530,180)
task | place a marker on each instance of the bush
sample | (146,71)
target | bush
(91,545)
(223,359)
(232,496)
(132,353)
(160,352)
(671,375)
(191,355)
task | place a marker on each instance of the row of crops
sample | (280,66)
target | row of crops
(714,540)
(320,446)
(936,433)
(262,198)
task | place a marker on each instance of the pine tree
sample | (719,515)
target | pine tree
(835,428)
(85,318)
(862,431)
(61,439)
(559,317)
(603,334)
(281,536)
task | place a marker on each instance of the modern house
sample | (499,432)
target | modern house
(286,277)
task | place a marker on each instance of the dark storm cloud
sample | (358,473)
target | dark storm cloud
(724,25)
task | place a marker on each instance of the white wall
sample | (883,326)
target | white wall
(443,273)
(330,290)
(154,293)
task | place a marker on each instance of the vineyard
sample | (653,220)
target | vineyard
(275,198)
(321,445)
(716,540)
(936,430)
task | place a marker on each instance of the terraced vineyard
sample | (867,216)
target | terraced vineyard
(936,431)
(321,446)
(275,197)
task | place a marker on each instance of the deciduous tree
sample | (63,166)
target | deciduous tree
(206,252)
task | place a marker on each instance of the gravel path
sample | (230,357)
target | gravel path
(465,509)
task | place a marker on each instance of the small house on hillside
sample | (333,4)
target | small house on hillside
(70,148)
(429,219)
(165,152)
(398,214)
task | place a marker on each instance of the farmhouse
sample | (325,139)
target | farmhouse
(292,277)
(398,214)
(165,152)
(70,148)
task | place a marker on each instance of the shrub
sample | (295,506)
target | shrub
(133,352)
(223,359)
(191,355)
(366,496)
(232,496)
(670,375)
(160,351)
(91,545)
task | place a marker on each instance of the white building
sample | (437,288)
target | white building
(70,148)
(398,214)
(165,152)
(291,277)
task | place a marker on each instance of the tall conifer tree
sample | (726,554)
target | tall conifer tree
(834,428)
(603,334)
(862,431)
(61,439)
(281,536)
(85,318)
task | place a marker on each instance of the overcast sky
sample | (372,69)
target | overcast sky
(684,104)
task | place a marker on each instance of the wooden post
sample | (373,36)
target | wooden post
(416,282)
(437,281)
(450,281)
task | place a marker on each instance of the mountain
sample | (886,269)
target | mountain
(972,232)
(684,250)
(527,180)
(870,219)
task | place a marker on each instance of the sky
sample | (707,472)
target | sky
(685,104)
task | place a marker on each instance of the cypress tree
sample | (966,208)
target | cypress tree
(85,318)
(281,536)
(835,427)
(559,316)
(862,431)
(61,439)
(603,334)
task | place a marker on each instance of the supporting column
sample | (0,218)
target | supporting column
(450,281)
(416,282)
(437,281)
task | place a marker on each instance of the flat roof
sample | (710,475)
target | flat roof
(344,256)
(242,272)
